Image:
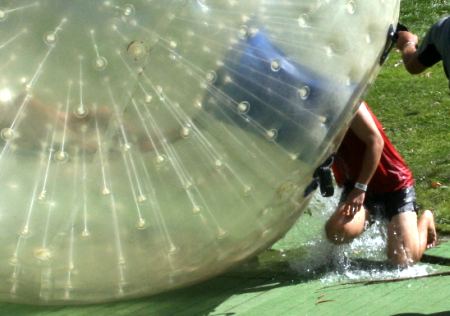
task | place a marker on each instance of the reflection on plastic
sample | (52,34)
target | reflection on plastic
(150,145)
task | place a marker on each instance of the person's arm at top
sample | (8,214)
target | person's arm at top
(407,44)
(366,130)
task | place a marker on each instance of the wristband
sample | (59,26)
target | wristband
(409,43)
(361,186)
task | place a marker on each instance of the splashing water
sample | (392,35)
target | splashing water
(364,259)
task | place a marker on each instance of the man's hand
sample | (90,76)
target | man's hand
(405,39)
(353,203)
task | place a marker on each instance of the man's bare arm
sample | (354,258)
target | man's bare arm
(407,44)
(365,128)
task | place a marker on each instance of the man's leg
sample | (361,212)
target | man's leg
(408,238)
(343,229)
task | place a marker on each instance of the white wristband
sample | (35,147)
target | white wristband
(410,43)
(361,186)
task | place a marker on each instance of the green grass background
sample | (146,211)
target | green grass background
(415,111)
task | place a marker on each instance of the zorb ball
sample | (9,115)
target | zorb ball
(146,145)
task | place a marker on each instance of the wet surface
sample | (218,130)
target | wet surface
(300,275)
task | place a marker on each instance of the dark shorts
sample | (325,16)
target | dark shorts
(389,204)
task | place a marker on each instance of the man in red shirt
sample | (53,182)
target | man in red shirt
(376,180)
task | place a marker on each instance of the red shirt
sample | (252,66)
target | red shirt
(392,173)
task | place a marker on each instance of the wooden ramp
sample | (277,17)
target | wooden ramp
(273,288)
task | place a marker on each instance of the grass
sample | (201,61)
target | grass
(415,110)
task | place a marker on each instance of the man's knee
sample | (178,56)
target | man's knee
(337,233)
(404,240)
(403,257)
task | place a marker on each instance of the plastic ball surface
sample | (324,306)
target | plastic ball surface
(147,145)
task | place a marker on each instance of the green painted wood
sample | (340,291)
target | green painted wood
(271,287)
(411,296)
(441,250)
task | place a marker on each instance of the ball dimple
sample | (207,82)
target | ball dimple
(7,134)
(137,50)
(81,112)
(148,98)
(243,32)
(272,134)
(61,156)
(100,63)
(141,224)
(301,20)
(3,14)
(185,132)
(128,10)
(50,38)
(218,163)
(351,7)
(43,254)
(304,92)
(243,107)
(211,76)
(275,65)
(160,159)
